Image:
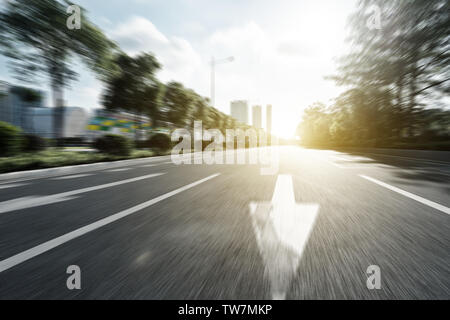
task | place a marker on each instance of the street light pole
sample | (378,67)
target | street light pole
(214,62)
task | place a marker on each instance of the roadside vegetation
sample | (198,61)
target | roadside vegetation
(20,152)
(52,158)
(34,34)
(397,79)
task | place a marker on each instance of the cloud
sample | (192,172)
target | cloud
(138,34)
(271,67)
(179,59)
(294,49)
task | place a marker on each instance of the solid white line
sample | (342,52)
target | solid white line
(73,177)
(49,245)
(14,185)
(417,198)
(30,202)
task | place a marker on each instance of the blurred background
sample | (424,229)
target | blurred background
(347,74)
(344,86)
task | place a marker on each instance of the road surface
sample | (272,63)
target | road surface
(156,230)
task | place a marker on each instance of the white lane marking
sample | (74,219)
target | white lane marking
(410,195)
(73,177)
(118,170)
(14,185)
(348,166)
(282,229)
(341,159)
(30,202)
(155,165)
(49,245)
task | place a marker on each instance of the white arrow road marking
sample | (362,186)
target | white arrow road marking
(49,245)
(14,185)
(282,229)
(35,201)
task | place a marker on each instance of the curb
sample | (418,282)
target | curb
(83,168)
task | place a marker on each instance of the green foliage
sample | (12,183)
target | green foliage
(10,139)
(27,94)
(134,87)
(179,103)
(33,143)
(52,158)
(160,141)
(398,75)
(114,145)
(35,36)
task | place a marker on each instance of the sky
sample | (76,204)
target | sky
(282,49)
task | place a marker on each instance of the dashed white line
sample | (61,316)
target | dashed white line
(14,185)
(118,170)
(30,202)
(410,195)
(49,245)
(73,177)
(155,164)
(342,159)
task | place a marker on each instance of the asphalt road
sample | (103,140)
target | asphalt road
(158,230)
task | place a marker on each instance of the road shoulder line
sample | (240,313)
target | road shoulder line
(410,195)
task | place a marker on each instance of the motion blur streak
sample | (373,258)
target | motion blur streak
(200,243)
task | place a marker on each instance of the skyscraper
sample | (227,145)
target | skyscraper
(257,117)
(269,118)
(239,111)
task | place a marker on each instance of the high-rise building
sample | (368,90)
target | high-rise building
(269,118)
(16,104)
(239,111)
(257,117)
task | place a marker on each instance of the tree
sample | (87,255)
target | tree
(394,73)
(35,36)
(201,110)
(134,87)
(179,103)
